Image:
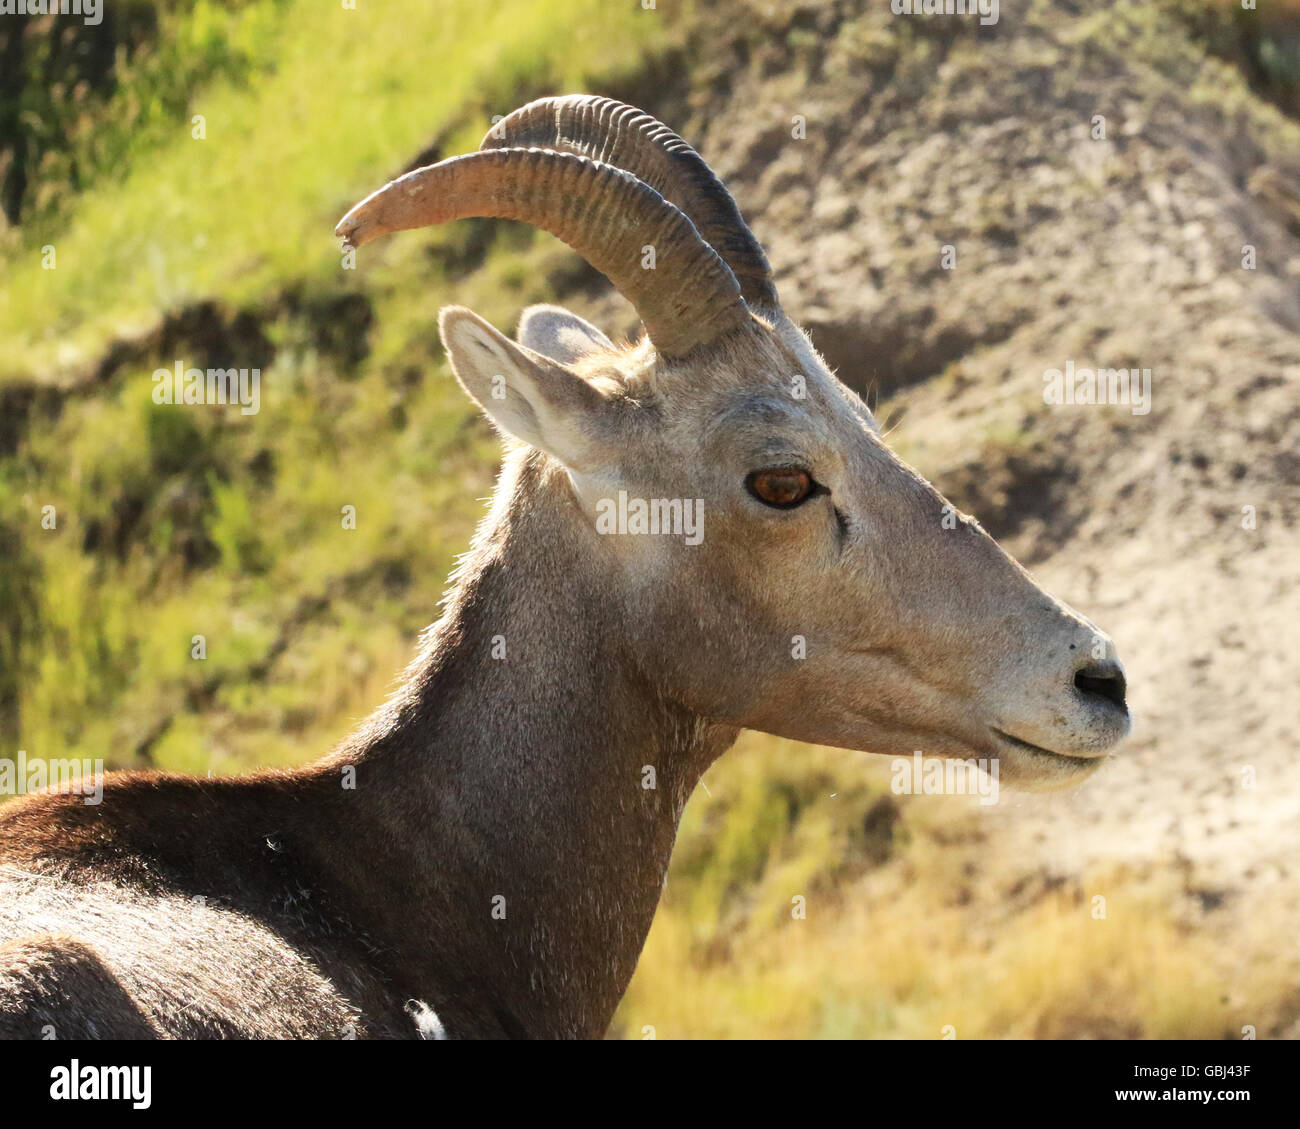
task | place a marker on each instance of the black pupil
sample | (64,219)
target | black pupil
(782,489)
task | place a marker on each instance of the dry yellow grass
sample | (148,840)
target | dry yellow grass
(947,935)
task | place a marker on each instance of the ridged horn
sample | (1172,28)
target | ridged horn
(605,214)
(627,138)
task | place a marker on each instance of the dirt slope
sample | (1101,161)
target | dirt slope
(1118,252)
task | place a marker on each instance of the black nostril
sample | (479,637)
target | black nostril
(1102,680)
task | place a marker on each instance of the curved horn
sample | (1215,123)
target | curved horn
(628,138)
(605,214)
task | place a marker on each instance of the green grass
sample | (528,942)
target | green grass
(287,151)
(174,522)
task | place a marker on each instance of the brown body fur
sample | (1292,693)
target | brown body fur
(285,905)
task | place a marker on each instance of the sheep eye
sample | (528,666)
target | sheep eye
(784,488)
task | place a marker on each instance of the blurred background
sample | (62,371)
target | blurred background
(169,181)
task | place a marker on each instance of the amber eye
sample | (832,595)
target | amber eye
(784,488)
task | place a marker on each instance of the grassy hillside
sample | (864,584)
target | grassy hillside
(218,251)
(244,210)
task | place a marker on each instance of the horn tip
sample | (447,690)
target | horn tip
(355,230)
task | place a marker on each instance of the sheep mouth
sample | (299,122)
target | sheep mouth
(1038,750)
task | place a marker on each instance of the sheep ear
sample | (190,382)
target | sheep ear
(556,333)
(528,396)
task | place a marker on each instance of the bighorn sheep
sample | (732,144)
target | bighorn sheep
(499,860)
